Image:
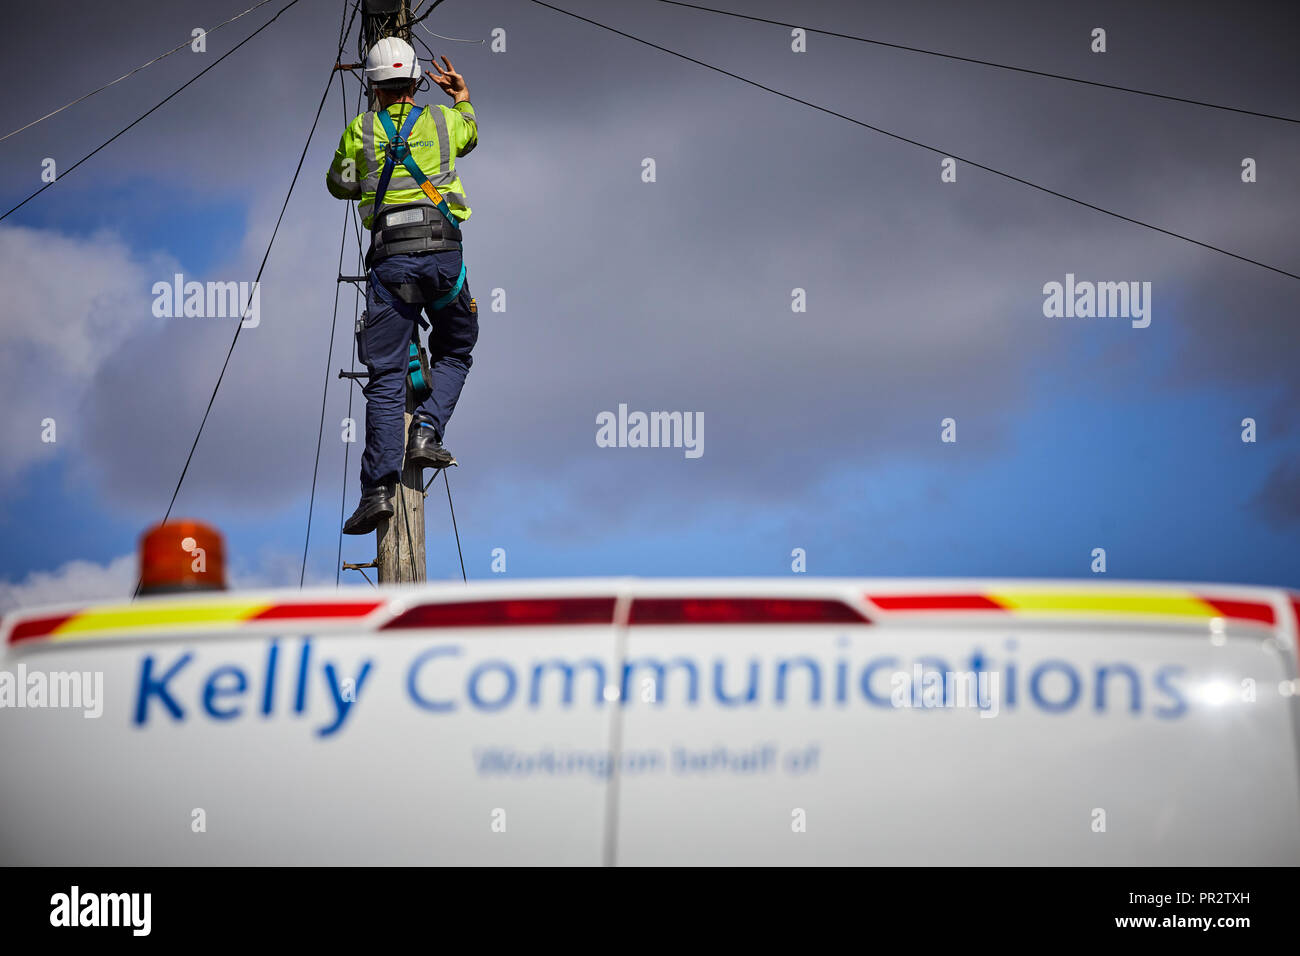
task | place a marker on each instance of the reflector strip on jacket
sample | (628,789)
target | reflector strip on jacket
(1083,603)
(151,617)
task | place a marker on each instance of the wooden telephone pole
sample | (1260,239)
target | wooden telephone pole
(399,555)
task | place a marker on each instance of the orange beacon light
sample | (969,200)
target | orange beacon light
(180,556)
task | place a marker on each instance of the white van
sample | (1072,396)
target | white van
(792,721)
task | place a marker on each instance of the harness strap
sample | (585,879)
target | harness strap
(399,150)
(396,142)
(444,300)
(417,367)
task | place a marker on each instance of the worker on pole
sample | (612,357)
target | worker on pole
(399,161)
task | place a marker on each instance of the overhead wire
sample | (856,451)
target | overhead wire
(452,508)
(329,362)
(449,39)
(334,321)
(152,109)
(913,142)
(970,59)
(124,76)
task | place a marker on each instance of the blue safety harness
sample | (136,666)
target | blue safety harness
(398,150)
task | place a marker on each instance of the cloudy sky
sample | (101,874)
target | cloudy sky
(822,428)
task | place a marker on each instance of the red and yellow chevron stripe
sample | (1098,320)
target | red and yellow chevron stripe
(161,616)
(157,616)
(1083,603)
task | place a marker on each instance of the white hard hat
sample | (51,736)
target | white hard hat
(391,58)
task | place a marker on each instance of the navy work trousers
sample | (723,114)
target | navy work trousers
(383,346)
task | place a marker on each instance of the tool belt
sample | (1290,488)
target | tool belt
(409,229)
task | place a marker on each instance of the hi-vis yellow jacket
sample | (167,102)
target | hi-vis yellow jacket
(440,135)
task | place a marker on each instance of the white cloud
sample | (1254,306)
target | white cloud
(77,580)
(69,303)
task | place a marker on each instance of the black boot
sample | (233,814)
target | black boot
(424,448)
(376,504)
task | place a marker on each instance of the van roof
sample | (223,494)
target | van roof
(656,601)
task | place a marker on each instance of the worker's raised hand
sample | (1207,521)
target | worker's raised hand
(452,83)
